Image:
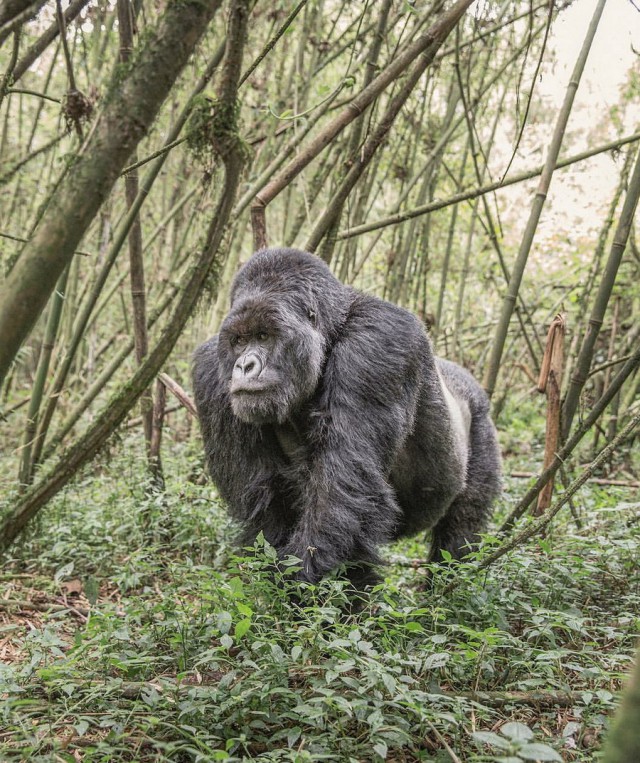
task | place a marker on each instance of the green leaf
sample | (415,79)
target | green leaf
(537,751)
(242,627)
(587,696)
(243,609)
(436,660)
(389,682)
(63,572)
(293,735)
(517,731)
(91,589)
(381,749)
(488,737)
(237,587)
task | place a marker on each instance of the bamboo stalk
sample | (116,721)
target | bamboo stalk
(434,206)
(379,133)
(356,132)
(434,35)
(25,476)
(136,263)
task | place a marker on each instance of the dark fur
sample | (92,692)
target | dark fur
(344,441)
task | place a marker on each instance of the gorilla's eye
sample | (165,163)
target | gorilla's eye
(263,336)
(238,341)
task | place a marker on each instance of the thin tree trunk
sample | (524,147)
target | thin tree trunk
(136,264)
(155,460)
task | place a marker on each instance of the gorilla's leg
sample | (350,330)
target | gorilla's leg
(458,532)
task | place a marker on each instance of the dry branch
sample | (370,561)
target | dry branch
(169,685)
(178,392)
(598,409)
(550,381)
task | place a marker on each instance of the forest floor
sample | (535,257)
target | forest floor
(129,631)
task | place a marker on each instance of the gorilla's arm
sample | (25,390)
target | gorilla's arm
(365,411)
(241,462)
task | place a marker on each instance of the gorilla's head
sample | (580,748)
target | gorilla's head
(286,307)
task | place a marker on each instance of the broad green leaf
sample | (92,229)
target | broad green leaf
(488,737)
(515,730)
(539,752)
(381,749)
(436,660)
(242,627)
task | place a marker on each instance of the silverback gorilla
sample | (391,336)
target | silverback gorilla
(330,426)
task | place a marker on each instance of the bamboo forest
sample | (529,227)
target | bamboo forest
(319,381)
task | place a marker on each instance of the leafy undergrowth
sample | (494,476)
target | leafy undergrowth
(130,631)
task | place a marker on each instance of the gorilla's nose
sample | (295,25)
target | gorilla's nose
(249,366)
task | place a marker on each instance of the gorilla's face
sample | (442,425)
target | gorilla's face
(271,356)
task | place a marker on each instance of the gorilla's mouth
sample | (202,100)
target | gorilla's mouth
(250,389)
(254,403)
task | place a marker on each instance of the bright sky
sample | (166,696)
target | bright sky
(609,59)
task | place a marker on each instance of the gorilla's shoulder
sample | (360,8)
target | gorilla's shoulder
(207,351)
(395,322)
(204,370)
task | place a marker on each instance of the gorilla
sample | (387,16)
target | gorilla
(330,427)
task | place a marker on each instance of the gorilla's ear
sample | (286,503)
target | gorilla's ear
(312,316)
